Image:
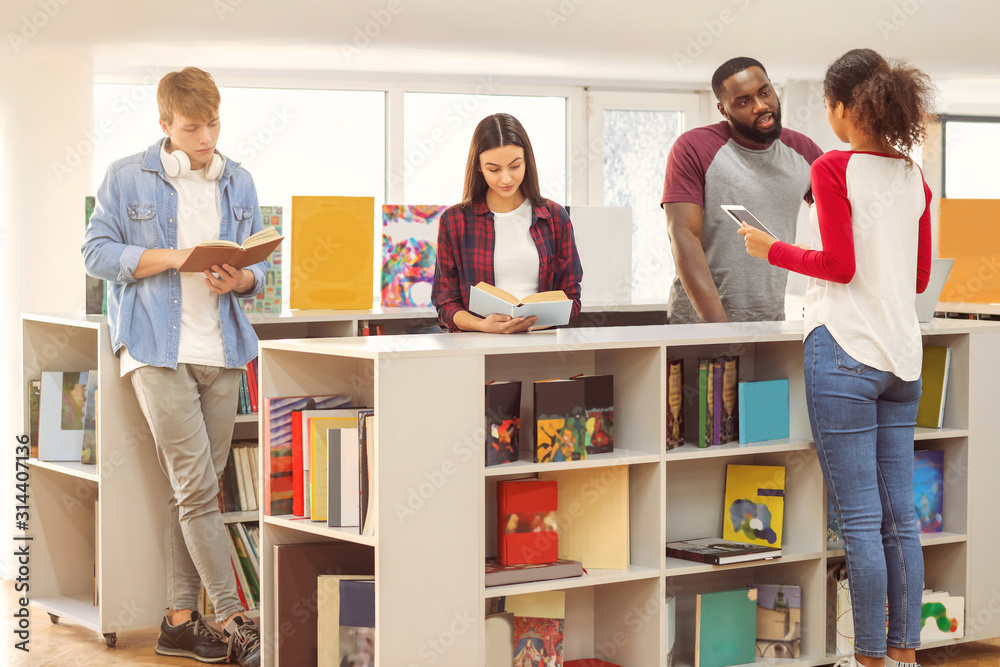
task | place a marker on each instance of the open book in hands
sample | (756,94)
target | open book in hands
(255,249)
(552,308)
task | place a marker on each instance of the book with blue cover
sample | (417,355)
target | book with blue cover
(928,489)
(763,410)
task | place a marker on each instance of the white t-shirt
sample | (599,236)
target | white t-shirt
(515,256)
(199,218)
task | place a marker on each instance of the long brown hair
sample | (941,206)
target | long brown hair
(888,100)
(500,129)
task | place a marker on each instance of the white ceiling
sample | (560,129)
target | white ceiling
(598,42)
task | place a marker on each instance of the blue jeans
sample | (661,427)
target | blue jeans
(191,412)
(862,422)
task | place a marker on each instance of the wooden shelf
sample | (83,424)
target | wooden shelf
(87,471)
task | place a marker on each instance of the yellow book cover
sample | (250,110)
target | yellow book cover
(317,429)
(755,504)
(934,377)
(593,509)
(546,604)
(332,260)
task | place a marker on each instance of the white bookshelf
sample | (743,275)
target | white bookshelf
(428,398)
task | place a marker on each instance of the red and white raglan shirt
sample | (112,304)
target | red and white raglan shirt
(872,225)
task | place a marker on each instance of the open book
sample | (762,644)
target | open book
(255,249)
(552,308)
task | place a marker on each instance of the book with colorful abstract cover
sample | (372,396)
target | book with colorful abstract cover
(754,504)
(409,253)
(928,489)
(726,375)
(560,421)
(357,622)
(277,429)
(675,403)
(503,422)
(526,521)
(599,405)
(539,627)
(268,300)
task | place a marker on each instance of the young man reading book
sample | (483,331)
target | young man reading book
(184,340)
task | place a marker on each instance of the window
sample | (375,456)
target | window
(437,132)
(970,142)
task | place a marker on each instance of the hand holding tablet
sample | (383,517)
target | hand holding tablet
(741,215)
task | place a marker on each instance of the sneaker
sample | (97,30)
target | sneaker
(889,662)
(847,661)
(191,639)
(244,642)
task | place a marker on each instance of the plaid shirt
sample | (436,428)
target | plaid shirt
(465,255)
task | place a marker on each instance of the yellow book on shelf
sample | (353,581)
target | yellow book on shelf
(332,244)
(934,383)
(595,502)
(317,430)
(755,504)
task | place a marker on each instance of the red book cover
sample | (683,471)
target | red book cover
(252,384)
(526,522)
(298,504)
(239,587)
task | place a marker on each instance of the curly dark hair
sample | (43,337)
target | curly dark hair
(887,99)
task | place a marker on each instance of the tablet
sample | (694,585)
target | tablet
(741,215)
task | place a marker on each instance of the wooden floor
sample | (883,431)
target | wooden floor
(68,645)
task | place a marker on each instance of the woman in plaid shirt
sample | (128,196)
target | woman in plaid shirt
(503,233)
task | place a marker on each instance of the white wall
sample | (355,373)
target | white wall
(46,113)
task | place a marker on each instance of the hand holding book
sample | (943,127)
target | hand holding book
(256,248)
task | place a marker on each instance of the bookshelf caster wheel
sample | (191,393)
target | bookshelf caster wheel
(53,618)
(111,638)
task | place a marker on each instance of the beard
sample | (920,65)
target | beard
(763,137)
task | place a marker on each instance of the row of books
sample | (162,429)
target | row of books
(62,416)
(248,390)
(573,418)
(319,462)
(238,485)
(739,626)
(244,552)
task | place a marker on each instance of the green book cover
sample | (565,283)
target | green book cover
(726,628)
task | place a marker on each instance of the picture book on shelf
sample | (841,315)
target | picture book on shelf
(599,406)
(409,253)
(60,418)
(763,410)
(539,620)
(718,551)
(754,504)
(357,622)
(316,427)
(598,535)
(727,375)
(254,249)
(526,522)
(942,616)
(934,386)
(324,228)
(503,575)
(779,621)
(560,421)
(552,308)
(706,418)
(269,299)
(725,628)
(277,429)
(840,617)
(503,422)
(675,403)
(928,489)
(34,407)
(88,453)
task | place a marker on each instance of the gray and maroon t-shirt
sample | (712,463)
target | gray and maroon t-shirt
(707,166)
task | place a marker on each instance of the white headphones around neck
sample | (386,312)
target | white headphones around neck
(178,164)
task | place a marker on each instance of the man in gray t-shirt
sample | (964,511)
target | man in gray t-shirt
(747,159)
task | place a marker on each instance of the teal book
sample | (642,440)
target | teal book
(763,410)
(704,402)
(725,628)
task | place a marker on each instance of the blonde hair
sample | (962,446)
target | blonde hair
(190,92)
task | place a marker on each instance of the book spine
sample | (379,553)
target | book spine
(703,433)
(717,401)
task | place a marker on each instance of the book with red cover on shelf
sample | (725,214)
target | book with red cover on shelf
(526,526)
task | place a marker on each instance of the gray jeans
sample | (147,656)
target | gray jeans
(191,413)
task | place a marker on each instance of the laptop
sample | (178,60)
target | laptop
(927,302)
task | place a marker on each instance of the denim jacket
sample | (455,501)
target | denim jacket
(137,210)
